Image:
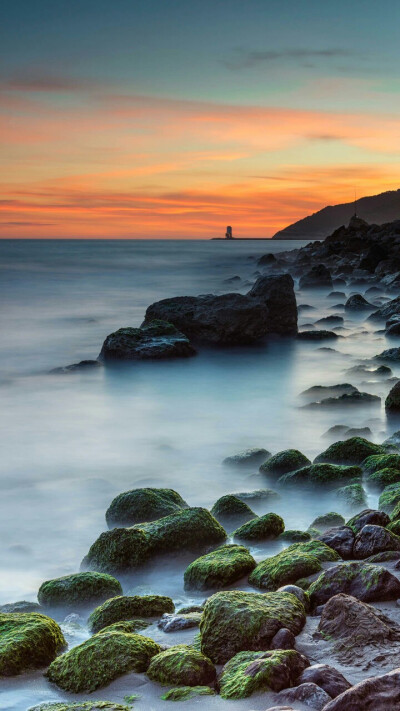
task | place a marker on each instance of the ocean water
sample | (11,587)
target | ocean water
(70,443)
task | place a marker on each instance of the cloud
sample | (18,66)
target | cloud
(38,81)
(307,58)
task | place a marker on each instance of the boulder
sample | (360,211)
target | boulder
(350,451)
(235,621)
(340,539)
(294,536)
(383,478)
(178,622)
(139,505)
(352,495)
(317,392)
(358,303)
(328,678)
(82,366)
(286,461)
(219,568)
(379,693)
(366,582)
(317,277)
(156,339)
(127,626)
(375,463)
(308,694)
(298,592)
(298,561)
(391,355)
(28,640)
(368,516)
(100,660)
(326,475)
(229,319)
(250,672)
(21,606)
(284,639)
(354,398)
(231,511)
(321,335)
(328,520)
(392,402)
(127,607)
(248,458)
(260,529)
(181,665)
(374,539)
(78,589)
(183,693)
(80,706)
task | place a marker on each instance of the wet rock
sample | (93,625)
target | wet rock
(232,511)
(80,706)
(317,277)
(298,592)
(389,497)
(125,607)
(336,295)
(21,606)
(327,677)
(308,694)
(293,536)
(369,583)
(322,391)
(394,439)
(154,340)
(139,505)
(392,402)
(393,329)
(379,693)
(219,568)
(340,539)
(368,516)
(333,321)
(346,400)
(374,539)
(83,365)
(328,520)
(286,461)
(358,303)
(250,672)
(183,693)
(78,589)
(352,495)
(178,622)
(266,259)
(284,639)
(261,528)
(235,621)
(351,451)
(257,495)
(390,355)
(326,475)
(27,641)
(316,335)
(298,561)
(248,458)
(384,477)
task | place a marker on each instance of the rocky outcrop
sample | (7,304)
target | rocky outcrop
(356,302)
(155,340)
(318,276)
(374,539)
(379,693)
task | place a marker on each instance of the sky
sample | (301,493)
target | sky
(174,118)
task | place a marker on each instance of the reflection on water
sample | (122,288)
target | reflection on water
(70,443)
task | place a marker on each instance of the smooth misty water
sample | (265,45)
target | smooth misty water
(70,443)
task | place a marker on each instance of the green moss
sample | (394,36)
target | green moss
(382,461)
(352,495)
(286,461)
(318,549)
(125,607)
(384,477)
(328,520)
(183,666)
(100,660)
(322,475)
(259,529)
(303,583)
(362,580)
(219,568)
(183,693)
(231,507)
(314,532)
(81,706)
(283,569)
(27,641)
(250,672)
(78,589)
(235,621)
(124,549)
(394,527)
(127,626)
(350,451)
(389,498)
(140,505)
(295,536)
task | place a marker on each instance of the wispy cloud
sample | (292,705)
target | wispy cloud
(307,58)
(44,81)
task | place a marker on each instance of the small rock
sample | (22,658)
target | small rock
(308,694)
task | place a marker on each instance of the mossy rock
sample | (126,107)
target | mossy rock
(235,621)
(294,536)
(303,583)
(126,626)
(384,477)
(365,581)
(328,520)
(183,666)
(101,659)
(250,672)
(183,693)
(352,495)
(386,556)
(349,451)
(319,549)
(81,706)
(219,568)
(147,504)
(321,474)
(389,498)
(376,462)
(286,461)
(314,532)
(124,549)
(394,527)
(260,529)
(395,515)
(28,641)
(78,589)
(248,458)
(230,508)
(125,607)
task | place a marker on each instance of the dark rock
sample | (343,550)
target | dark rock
(375,254)
(178,622)
(230,510)
(284,639)
(308,694)
(379,693)
(286,461)
(341,539)
(369,583)
(374,539)
(336,295)
(316,335)
(318,276)
(366,517)
(320,391)
(354,398)
(299,592)
(328,678)
(333,320)
(83,365)
(392,355)
(146,504)
(154,340)
(358,303)
(393,329)
(21,606)
(350,451)
(266,259)
(248,458)
(392,402)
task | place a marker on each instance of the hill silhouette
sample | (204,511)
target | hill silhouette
(375,209)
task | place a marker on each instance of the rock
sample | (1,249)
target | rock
(354,398)
(373,257)
(336,295)
(328,678)
(154,340)
(176,623)
(181,665)
(374,539)
(219,568)
(127,607)
(229,319)
(298,561)
(298,592)
(308,694)
(379,693)
(231,511)
(257,495)
(384,557)
(328,520)
(284,639)
(100,660)
(28,640)
(390,355)
(248,458)
(393,329)
(392,402)
(127,626)
(266,259)
(340,539)
(382,370)
(260,529)
(235,621)
(80,706)
(190,608)
(351,451)
(123,549)
(317,277)
(352,625)
(358,303)
(333,320)
(394,439)
(321,391)
(250,672)
(389,497)
(316,335)
(21,606)
(293,536)
(327,475)
(286,461)
(183,693)
(140,505)
(83,365)
(384,478)
(368,516)
(352,495)
(369,583)
(78,589)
